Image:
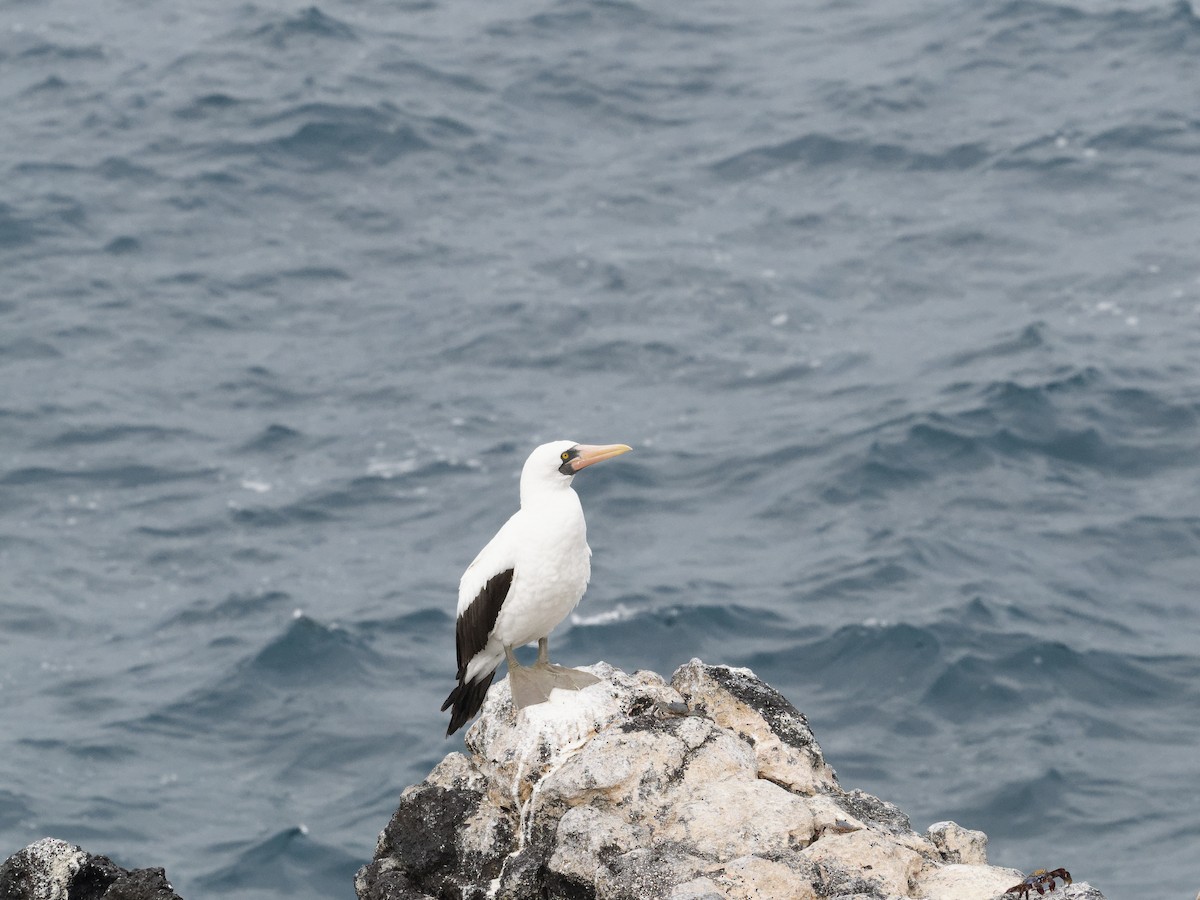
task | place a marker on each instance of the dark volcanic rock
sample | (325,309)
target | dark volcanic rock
(382,880)
(51,869)
(141,884)
(424,830)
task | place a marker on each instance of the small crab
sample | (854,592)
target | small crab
(1041,879)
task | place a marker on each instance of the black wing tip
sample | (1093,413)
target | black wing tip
(466,699)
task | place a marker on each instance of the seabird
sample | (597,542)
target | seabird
(524,582)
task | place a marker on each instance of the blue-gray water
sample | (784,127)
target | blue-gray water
(898,302)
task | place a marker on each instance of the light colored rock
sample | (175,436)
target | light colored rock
(728,819)
(615,768)
(587,838)
(754,878)
(515,749)
(697,889)
(869,858)
(875,813)
(648,874)
(614,792)
(848,811)
(694,731)
(455,771)
(957,844)
(720,756)
(830,818)
(735,699)
(960,881)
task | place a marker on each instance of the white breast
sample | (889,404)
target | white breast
(551,571)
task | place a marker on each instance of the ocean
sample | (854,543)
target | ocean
(898,304)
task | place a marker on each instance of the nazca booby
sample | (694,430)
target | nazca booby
(524,582)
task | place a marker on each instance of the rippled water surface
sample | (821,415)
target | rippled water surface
(899,304)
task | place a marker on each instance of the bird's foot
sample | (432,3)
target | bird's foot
(530,685)
(570,679)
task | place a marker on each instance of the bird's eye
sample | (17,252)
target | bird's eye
(566,455)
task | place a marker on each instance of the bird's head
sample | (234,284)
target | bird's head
(556,463)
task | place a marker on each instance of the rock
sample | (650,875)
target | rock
(957,844)
(783,744)
(51,869)
(611,793)
(383,880)
(648,873)
(970,882)
(588,839)
(866,861)
(141,884)
(752,878)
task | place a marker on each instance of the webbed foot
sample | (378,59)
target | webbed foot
(570,679)
(530,685)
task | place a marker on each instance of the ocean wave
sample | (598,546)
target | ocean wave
(36,50)
(289,860)
(1098,677)
(258,386)
(816,150)
(434,76)
(48,216)
(233,608)
(310,663)
(311,23)
(84,751)
(962,669)
(339,139)
(601,17)
(272,439)
(577,95)
(650,632)
(1151,538)
(972,687)
(207,106)
(1114,12)
(128,475)
(28,349)
(1174,135)
(1091,25)
(311,652)
(387,484)
(36,621)
(15,811)
(859,663)
(89,435)
(1028,805)
(1030,338)
(1077,419)
(320,136)
(413,626)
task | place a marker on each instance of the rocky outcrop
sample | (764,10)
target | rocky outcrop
(709,787)
(51,869)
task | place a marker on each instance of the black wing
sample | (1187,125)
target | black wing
(471,635)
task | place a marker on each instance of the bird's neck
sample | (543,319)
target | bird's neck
(547,493)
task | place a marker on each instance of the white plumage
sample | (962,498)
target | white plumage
(525,582)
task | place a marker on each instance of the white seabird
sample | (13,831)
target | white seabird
(524,582)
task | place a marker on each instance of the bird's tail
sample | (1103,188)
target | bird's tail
(466,699)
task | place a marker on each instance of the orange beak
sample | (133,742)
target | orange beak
(594,453)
